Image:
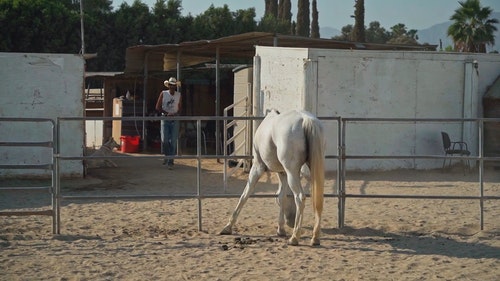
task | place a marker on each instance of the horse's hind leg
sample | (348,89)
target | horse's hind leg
(295,185)
(281,216)
(287,206)
(255,173)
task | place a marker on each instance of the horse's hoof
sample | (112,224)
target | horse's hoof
(293,241)
(315,242)
(226,231)
(281,233)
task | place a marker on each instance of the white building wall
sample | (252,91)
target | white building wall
(282,78)
(41,86)
(381,84)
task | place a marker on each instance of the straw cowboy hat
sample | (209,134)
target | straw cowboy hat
(170,81)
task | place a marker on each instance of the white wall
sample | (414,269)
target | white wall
(282,78)
(93,131)
(381,84)
(41,86)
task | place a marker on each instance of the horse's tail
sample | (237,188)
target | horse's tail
(316,160)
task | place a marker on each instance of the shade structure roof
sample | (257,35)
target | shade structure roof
(164,57)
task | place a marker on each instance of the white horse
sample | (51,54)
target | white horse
(283,143)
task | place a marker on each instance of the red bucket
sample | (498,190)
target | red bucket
(130,143)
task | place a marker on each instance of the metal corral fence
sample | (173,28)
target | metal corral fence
(199,196)
(340,157)
(346,122)
(29,126)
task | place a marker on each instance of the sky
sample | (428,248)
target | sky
(415,14)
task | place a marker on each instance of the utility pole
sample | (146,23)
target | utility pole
(81,28)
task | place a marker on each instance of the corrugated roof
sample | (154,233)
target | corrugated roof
(164,57)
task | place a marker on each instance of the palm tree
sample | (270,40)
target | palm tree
(472,28)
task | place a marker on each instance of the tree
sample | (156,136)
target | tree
(272,24)
(400,35)
(303,20)
(42,26)
(346,33)
(99,35)
(359,21)
(376,34)
(285,16)
(166,22)
(277,17)
(95,6)
(472,28)
(244,21)
(271,8)
(132,25)
(213,23)
(285,11)
(314,23)
(220,22)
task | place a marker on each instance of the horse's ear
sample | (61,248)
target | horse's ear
(272,110)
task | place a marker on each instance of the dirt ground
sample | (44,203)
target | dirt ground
(159,238)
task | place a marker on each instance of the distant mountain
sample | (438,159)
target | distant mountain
(433,34)
(328,32)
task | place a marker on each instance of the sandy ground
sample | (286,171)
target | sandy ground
(158,239)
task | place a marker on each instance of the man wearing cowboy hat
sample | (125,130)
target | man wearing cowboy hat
(169,104)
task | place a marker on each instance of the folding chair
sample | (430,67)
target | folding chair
(452,148)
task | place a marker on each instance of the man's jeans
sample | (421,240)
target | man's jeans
(169,135)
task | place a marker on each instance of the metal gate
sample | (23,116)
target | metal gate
(46,164)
